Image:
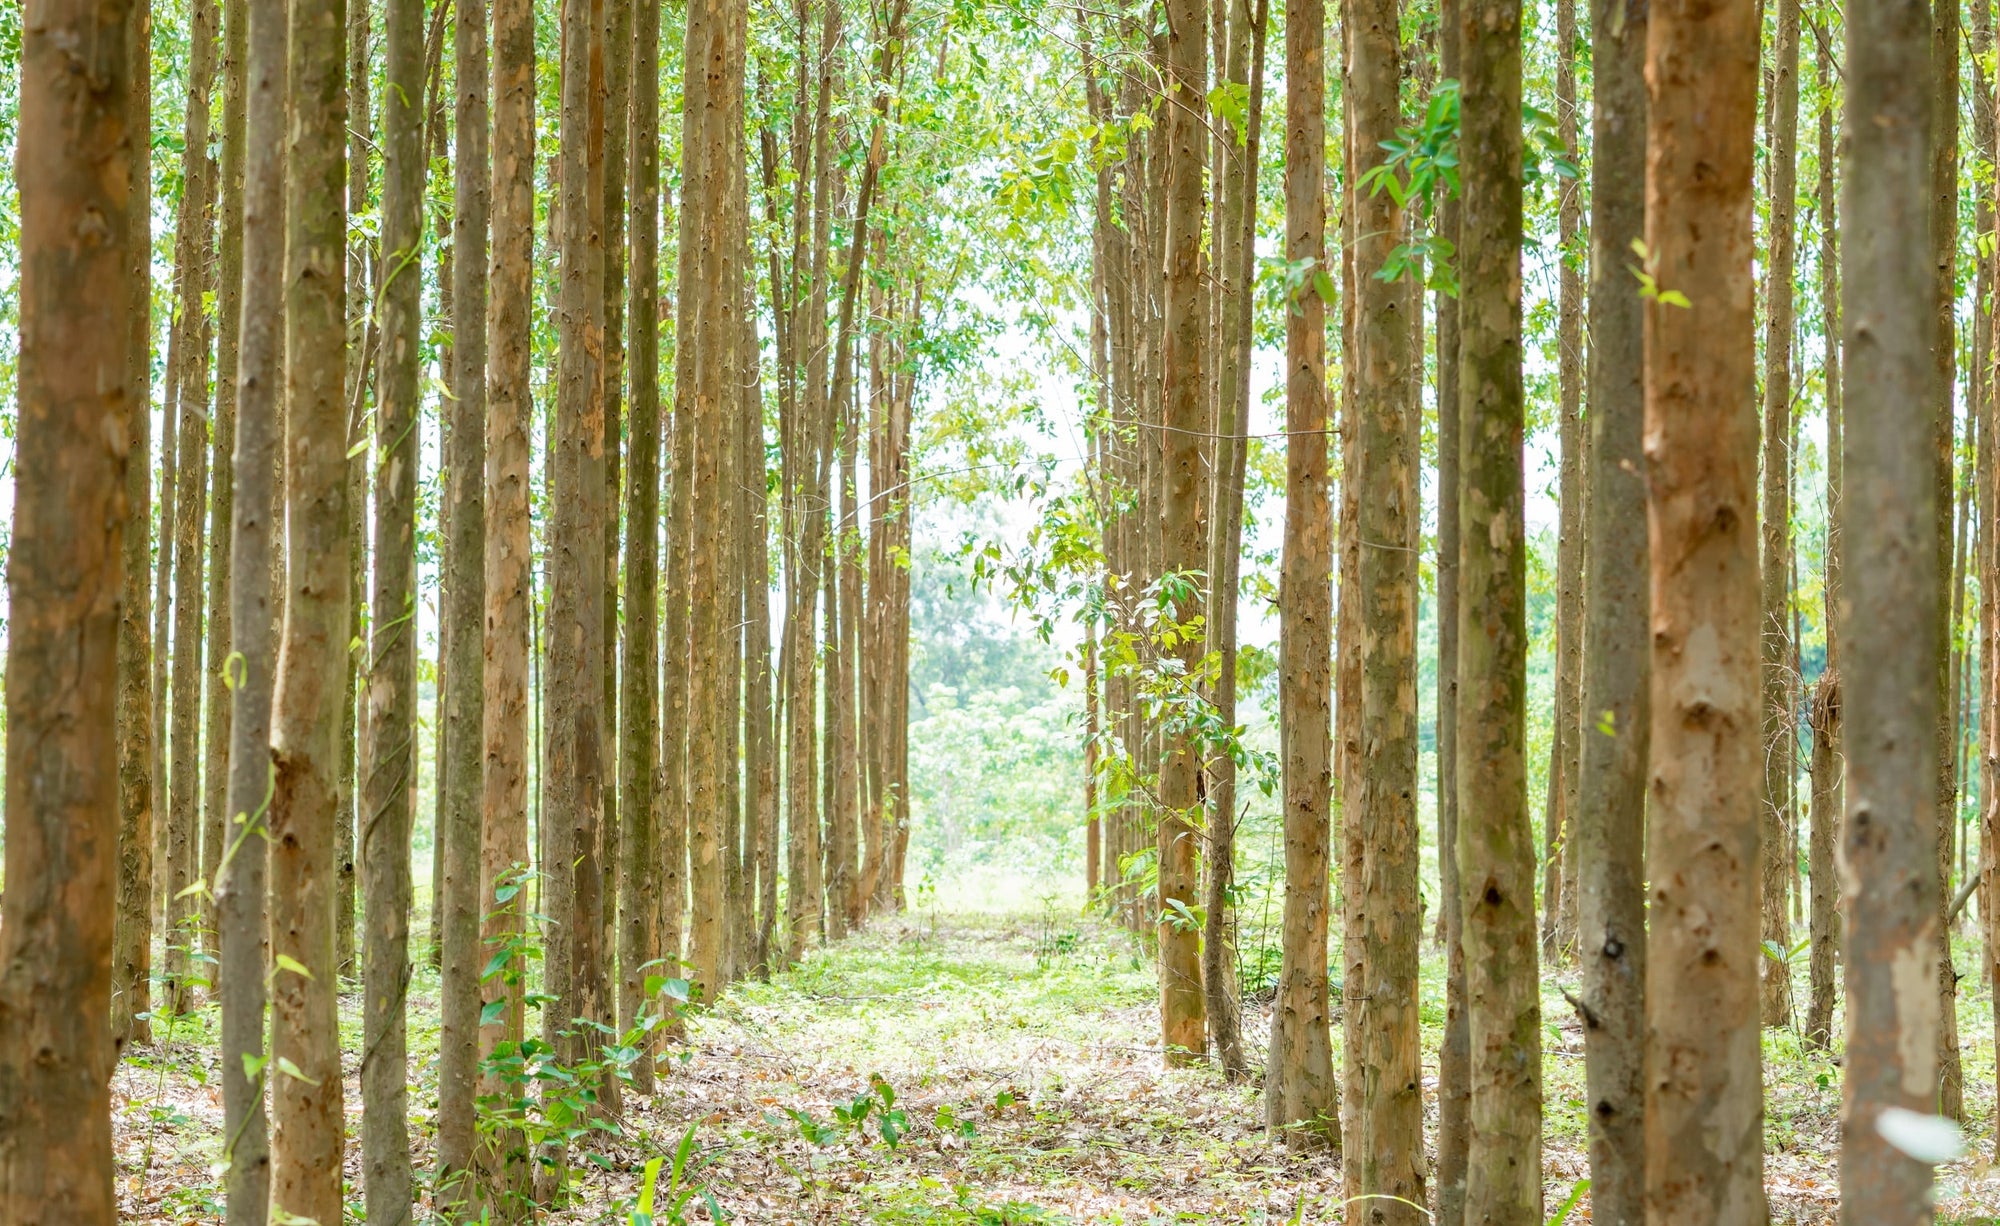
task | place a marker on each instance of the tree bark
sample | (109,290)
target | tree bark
(306,1109)
(1825,834)
(1611,808)
(639,904)
(1704,1105)
(1780,738)
(1560,905)
(1454,1094)
(132,955)
(1495,845)
(1943,230)
(461,953)
(65,582)
(1182,517)
(1381,801)
(1888,628)
(508,566)
(616,105)
(363,281)
(1300,1092)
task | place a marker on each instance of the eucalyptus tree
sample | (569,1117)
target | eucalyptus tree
(1704,1083)
(65,580)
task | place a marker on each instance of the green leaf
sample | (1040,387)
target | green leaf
(253,1064)
(492,1011)
(293,1071)
(288,963)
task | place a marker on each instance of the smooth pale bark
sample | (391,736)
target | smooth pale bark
(1381,801)
(1704,1099)
(306,1110)
(77,397)
(1780,739)
(760,747)
(1300,1092)
(1496,853)
(508,566)
(461,954)
(1887,628)
(1454,1094)
(1616,728)
(132,939)
(639,901)
(1182,1022)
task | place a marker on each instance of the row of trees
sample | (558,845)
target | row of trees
(616,727)
(1671,850)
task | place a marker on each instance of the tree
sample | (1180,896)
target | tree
(65,582)
(1495,848)
(1887,627)
(306,1109)
(1182,517)
(1704,1100)
(1611,809)
(1382,800)
(464,671)
(574,802)
(1300,1092)
(1775,538)
(132,937)
(639,905)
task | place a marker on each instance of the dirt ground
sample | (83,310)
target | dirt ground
(1018,1051)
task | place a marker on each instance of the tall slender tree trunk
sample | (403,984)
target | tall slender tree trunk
(1381,802)
(363,274)
(306,1109)
(1454,1094)
(1300,1092)
(255,516)
(1888,627)
(132,938)
(1611,807)
(1780,738)
(1945,33)
(1496,853)
(1704,1102)
(464,681)
(1560,909)
(182,512)
(65,584)
(509,576)
(617,105)
(1236,272)
(1827,769)
(575,805)
(1182,516)
(639,902)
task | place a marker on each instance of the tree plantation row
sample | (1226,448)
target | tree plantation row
(680,370)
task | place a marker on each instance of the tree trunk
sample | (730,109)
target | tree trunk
(575,804)
(616,105)
(1386,1155)
(363,275)
(1611,808)
(306,1109)
(1454,1094)
(1300,1093)
(509,577)
(132,955)
(1704,1102)
(1825,930)
(1780,739)
(242,872)
(1495,845)
(1182,1024)
(461,953)
(638,844)
(1888,627)
(1945,33)
(65,583)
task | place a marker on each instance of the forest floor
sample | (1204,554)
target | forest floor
(1022,1053)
